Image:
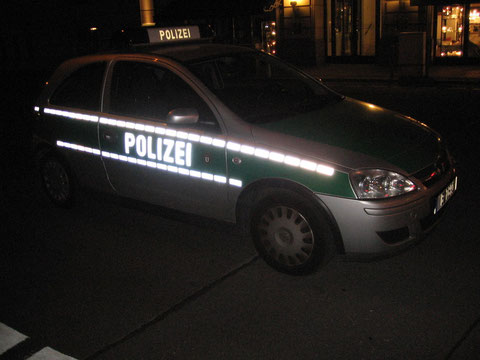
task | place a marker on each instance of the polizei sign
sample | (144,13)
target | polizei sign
(160,149)
(171,34)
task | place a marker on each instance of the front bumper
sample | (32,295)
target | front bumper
(383,226)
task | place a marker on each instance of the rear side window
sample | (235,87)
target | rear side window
(82,89)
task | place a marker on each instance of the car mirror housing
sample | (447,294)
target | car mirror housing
(183,116)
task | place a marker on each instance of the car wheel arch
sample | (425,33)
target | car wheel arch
(45,149)
(261,189)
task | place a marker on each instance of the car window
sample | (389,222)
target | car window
(148,91)
(82,89)
(260,88)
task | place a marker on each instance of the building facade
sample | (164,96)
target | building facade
(318,31)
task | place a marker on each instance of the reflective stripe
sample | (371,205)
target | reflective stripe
(220,179)
(308,165)
(218,143)
(291,160)
(206,140)
(170,168)
(71,115)
(262,153)
(233,146)
(78,147)
(274,156)
(326,170)
(235,182)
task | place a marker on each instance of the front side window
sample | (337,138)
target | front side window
(260,88)
(148,91)
(82,89)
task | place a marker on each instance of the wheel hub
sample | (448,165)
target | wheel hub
(286,235)
(56,180)
(283,236)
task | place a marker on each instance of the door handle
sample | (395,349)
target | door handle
(110,137)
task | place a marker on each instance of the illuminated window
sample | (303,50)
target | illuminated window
(269,37)
(450,30)
(474,31)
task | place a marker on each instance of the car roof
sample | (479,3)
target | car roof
(194,52)
(184,53)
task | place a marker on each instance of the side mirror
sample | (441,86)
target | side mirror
(183,116)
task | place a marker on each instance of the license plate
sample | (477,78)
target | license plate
(445,195)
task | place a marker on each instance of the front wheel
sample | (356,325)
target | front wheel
(57,180)
(291,234)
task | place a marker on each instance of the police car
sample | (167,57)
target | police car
(235,134)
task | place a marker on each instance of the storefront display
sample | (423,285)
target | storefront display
(450,31)
(362,31)
(269,37)
(458,35)
(474,31)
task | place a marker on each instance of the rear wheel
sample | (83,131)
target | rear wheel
(291,234)
(57,180)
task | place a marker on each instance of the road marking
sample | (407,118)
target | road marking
(9,338)
(49,354)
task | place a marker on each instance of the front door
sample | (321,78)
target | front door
(345,27)
(177,166)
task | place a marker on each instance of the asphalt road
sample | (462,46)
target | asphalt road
(113,280)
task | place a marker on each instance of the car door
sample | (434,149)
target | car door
(179,164)
(69,121)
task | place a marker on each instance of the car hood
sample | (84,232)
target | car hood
(355,134)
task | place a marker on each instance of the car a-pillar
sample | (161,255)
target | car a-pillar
(292,230)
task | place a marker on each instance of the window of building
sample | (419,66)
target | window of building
(400,16)
(450,31)
(474,31)
(82,89)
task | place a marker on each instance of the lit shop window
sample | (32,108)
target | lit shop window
(474,31)
(450,30)
(269,37)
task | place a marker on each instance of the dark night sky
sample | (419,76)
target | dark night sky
(51,30)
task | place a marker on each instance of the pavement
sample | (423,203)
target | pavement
(466,74)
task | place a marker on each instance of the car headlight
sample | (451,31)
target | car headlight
(379,184)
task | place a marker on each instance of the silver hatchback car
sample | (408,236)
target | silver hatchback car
(234,134)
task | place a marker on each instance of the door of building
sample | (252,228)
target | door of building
(345,27)
(352,31)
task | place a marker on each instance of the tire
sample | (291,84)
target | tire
(57,180)
(291,234)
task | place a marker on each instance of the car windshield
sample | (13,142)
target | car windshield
(259,88)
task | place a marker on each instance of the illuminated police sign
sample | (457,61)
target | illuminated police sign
(156,148)
(181,33)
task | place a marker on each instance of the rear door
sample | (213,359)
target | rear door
(182,167)
(70,121)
